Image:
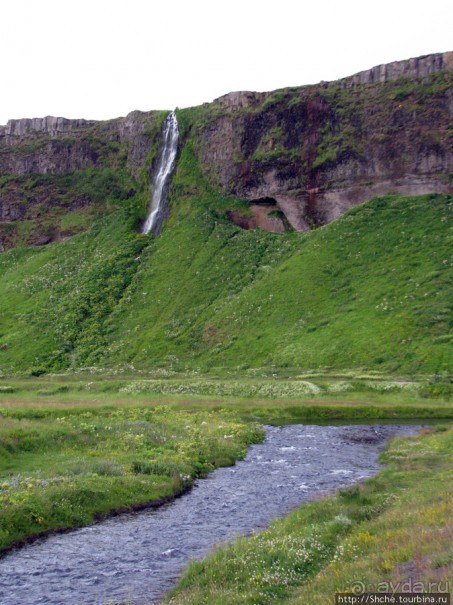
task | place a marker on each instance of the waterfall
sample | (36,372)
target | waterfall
(164,170)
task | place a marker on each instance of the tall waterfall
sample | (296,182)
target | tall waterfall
(165,166)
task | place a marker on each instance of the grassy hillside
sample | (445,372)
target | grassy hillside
(368,291)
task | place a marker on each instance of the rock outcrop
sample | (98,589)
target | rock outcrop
(50,167)
(300,156)
(318,150)
(48,125)
(58,146)
(418,67)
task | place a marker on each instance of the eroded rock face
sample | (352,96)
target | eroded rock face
(138,131)
(314,150)
(54,157)
(49,125)
(262,214)
(53,145)
(318,150)
(81,163)
(418,67)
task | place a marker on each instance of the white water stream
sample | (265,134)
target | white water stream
(165,166)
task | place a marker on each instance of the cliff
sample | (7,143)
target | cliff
(304,154)
(57,175)
(418,67)
(318,150)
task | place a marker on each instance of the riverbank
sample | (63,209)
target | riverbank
(394,530)
(60,470)
(74,449)
(138,558)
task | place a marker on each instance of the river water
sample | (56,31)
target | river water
(138,557)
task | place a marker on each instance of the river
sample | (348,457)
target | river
(138,557)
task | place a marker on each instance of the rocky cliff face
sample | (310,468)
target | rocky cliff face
(51,167)
(300,156)
(418,67)
(318,150)
(49,125)
(58,145)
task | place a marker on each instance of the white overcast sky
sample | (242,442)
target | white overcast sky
(101,59)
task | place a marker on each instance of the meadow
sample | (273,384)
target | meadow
(77,447)
(66,467)
(131,365)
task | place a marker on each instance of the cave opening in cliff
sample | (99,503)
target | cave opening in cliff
(263,213)
(264,201)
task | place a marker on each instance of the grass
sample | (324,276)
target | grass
(79,446)
(382,533)
(64,468)
(75,447)
(267,399)
(207,296)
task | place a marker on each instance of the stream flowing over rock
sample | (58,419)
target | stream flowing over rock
(164,170)
(139,557)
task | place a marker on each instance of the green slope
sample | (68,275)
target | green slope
(368,291)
